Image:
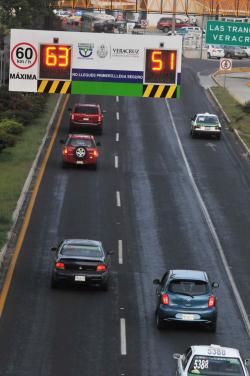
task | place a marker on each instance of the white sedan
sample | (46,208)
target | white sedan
(215,51)
(211,360)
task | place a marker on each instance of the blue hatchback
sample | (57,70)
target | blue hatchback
(186,296)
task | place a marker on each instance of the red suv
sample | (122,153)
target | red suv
(86,116)
(165,24)
(80,149)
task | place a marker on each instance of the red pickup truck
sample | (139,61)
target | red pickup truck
(165,24)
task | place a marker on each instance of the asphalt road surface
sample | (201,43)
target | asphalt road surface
(143,204)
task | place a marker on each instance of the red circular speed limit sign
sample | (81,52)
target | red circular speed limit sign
(24,55)
(225,64)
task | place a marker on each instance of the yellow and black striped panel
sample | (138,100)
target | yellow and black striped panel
(159,91)
(46,86)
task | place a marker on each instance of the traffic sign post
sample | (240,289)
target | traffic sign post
(228,33)
(225,65)
(98,64)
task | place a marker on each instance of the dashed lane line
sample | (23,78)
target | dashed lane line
(123,336)
(118,199)
(120,252)
(117,116)
(116,161)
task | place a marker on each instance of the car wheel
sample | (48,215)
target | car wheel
(99,131)
(165,29)
(64,165)
(159,321)
(80,152)
(192,134)
(218,136)
(212,327)
(228,55)
(93,166)
(105,286)
(208,55)
(54,284)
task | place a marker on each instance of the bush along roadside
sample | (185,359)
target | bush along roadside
(16,159)
(237,113)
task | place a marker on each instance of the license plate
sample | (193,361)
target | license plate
(187,317)
(80,278)
(79,162)
(86,119)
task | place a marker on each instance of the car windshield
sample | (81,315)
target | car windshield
(81,250)
(207,120)
(75,142)
(216,366)
(88,110)
(188,287)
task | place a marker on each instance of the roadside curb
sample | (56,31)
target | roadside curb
(27,184)
(235,131)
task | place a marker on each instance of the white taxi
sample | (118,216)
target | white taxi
(204,125)
(211,360)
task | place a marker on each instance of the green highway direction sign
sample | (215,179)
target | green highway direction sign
(228,33)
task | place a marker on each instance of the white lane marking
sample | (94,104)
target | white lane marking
(123,336)
(120,255)
(117,99)
(117,136)
(118,199)
(211,228)
(117,116)
(116,161)
(212,146)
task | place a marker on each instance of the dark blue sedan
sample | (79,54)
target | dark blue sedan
(186,296)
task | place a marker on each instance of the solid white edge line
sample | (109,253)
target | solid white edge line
(212,229)
(117,99)
(120,256)
(118,199)
(117,116)
(123,336)
(116,161)
(117,137)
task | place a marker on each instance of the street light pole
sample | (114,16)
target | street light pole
(174,16)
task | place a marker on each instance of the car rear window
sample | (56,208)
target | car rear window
(180,286)
(211,365)
(80,250)
(89,110)
(81,142)
(207,119)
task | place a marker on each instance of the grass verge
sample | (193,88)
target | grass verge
(15,164)
(237,113)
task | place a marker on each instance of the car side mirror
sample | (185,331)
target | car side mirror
(110,252)
(69,109)
(98,144)
(215,285)
(247,362)
(53,248)
(177,356)
(104,111)
(62,141)
(156,281)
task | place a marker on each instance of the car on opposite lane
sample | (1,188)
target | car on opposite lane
(235,52)
(86,117)
(81,261)
(185,296)
(211,360)
(205,124)
(215,52)
(80,149)
(165,24)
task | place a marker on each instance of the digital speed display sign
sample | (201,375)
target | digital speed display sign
(160,66)
(43,61)
(55,62)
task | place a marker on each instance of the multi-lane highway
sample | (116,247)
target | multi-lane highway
(159,200)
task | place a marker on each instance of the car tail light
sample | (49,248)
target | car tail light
(65,151)
(99,118)
(73,117)
(165,299)
(101,268)
(211,301)
(59,265)
(95,153)
(196,126)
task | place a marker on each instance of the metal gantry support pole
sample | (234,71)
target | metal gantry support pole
(174,16)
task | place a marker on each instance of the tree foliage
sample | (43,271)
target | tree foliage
(30,14)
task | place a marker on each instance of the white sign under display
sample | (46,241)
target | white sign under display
(98,64)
